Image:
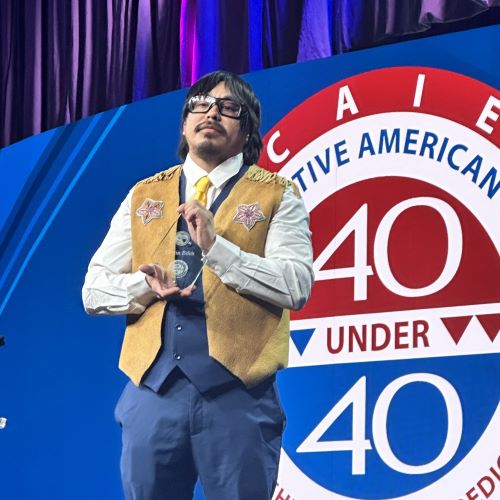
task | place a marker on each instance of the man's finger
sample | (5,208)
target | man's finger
(193,204)
(160,273)
(147,269)
(168,292)
(188,210)
(187,292)
(188,206)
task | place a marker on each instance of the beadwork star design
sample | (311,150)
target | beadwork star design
(149,210)
(248,215)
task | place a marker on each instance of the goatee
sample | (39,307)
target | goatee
(207,151)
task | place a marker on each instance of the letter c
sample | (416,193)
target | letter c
(273,156)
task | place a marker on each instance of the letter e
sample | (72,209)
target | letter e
(486,114)
(470,493)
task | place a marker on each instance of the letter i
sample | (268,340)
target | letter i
(419,91)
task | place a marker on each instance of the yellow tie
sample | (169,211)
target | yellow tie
(202,189)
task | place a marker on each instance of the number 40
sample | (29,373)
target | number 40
(358,445)
(358,224)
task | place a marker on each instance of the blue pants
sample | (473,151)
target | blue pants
(231,440)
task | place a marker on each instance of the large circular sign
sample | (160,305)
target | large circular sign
(392,390)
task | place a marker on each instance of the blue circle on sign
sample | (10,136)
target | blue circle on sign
(417,420)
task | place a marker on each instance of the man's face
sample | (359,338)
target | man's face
(210,136)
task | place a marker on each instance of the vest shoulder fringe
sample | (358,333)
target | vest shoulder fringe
(259,174)
(164,175)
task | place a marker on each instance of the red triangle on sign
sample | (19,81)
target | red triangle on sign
(491,324)
(456,326)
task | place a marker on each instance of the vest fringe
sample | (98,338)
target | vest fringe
(164,175)
(258,174)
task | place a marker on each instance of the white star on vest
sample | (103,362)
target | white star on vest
(149,210)
(248,215)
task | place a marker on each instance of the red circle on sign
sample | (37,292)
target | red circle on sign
(417,250)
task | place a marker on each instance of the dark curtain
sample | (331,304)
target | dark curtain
(62,60)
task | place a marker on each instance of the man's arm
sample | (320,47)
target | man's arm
(284,276)
(110,287)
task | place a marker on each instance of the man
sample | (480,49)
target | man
(206,259)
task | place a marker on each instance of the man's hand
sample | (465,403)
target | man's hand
(200,224)
(162,284)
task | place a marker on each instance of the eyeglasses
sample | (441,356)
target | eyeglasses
(226,106)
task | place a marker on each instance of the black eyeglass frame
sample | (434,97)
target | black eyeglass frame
(217,101)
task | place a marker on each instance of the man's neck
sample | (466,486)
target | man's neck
(207,164)
(218,176)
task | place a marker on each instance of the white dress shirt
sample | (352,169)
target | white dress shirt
(283,277)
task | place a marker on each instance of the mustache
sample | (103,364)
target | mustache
(213,125)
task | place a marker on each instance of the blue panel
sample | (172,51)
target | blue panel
(59,368)
(25,160)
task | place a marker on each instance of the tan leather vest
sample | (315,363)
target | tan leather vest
(248,336)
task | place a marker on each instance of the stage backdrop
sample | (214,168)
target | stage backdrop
(392,390)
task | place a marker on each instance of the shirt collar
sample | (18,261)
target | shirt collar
(218,176)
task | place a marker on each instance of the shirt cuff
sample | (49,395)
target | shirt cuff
(138,287)
(222,255)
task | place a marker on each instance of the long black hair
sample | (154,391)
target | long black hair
(250,116)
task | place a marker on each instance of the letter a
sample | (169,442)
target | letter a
(346,102)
